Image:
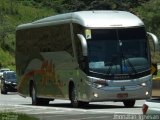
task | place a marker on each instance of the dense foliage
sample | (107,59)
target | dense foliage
(15,12)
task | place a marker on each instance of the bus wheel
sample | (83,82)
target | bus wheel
(38,101)
(3,90)
(129,103)
(34,96)
(74,101)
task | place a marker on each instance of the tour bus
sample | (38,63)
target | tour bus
(84,56)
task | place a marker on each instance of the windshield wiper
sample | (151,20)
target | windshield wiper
(130,64)
(127,59)
(112,62)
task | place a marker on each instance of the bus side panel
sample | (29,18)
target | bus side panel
(22,59)
(52,74)
(37,52)
(83,90)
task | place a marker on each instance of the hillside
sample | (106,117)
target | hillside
(15,12)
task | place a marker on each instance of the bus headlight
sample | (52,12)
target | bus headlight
(100,83)
(95,95)
(97,82)
(143,84)
(147,92)
(99,86)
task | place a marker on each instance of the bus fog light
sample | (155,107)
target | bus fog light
(95,95)
(147,93)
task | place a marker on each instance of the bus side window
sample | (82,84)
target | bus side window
(62,42)
(46,50)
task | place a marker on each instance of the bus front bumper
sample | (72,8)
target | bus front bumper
(120,93)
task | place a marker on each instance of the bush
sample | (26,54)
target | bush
(15,116)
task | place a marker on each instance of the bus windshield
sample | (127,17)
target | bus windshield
(118,51)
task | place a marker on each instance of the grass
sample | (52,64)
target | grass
(158,74)
(15,116)
(157,77)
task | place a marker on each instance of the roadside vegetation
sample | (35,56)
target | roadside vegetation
(15,116)
(15,12)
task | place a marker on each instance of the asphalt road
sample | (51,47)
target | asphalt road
(61,109)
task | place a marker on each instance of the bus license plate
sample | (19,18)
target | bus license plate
(122,95)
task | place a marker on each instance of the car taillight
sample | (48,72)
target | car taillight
(144,109)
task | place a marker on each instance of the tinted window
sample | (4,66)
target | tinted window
(118,51)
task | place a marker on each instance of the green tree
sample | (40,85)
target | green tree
(149,13)
(76,5)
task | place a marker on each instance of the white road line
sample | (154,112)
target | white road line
(23,110)
(55,112)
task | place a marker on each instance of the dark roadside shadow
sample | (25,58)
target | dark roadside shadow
(90,106)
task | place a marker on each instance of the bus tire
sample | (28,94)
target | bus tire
(3,90)
(34,95)
(73,98)
(129,103)
(35,100)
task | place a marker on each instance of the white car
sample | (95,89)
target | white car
(3,70)
(151,109)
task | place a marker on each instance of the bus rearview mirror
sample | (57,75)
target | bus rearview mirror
(155,41)
(83,44)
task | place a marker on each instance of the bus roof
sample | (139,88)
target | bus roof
(91,19)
